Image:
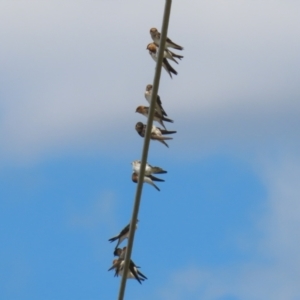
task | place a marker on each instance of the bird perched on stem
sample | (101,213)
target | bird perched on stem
(155,35)
(148,179)
(158,104)
(144,110)
(156,133)
(124,234)
(168,53)
(149,170)
(153,53)
(133,272)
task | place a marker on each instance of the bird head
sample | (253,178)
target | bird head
(134,177)
(117,252)
(153,31)
(151,47)
(139,109)
(139,126)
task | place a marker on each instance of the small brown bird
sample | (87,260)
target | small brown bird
(158,104)
(156,133)
(148,179)
(153,52)
(133,272)
(144,110)
(149,170)
(122,235)
(155,35)
(168,54)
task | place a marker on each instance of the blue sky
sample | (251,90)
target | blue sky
(225,225)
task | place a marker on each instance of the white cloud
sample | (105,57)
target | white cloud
(73,76)
(273,272)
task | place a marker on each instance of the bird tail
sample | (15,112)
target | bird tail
(175,46)
(141,275)
(155,186)
(160,106)
(163,111)
(167,131)
(155,178)
(173,59)
(167,119)
(162,124)
(113,239)
(169,68)
(157,170)
(111,268)
(176,55)
(162,141)
(162,138)
(134,272)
